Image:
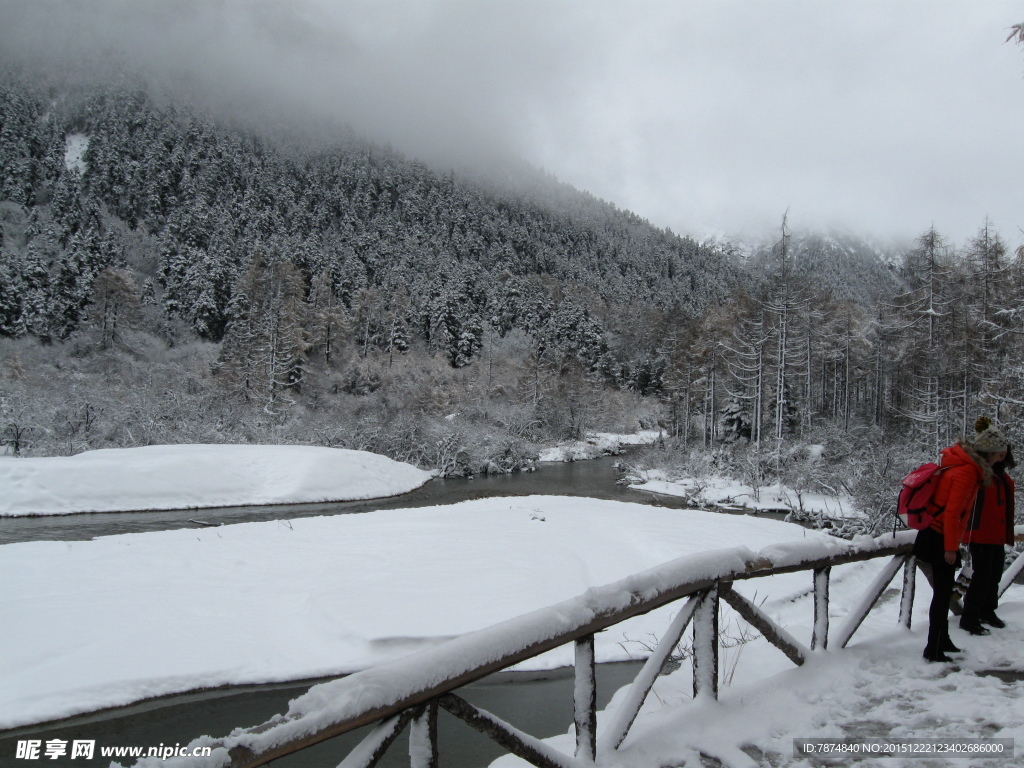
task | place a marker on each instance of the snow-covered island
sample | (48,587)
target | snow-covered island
(193,476)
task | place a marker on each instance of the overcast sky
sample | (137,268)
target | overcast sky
(712,116)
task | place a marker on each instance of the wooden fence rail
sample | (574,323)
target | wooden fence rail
(409,691)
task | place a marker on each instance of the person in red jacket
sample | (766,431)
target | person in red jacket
(989,528)
(965,471)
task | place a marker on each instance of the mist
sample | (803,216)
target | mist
(709,118)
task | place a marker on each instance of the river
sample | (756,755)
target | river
(595,478)
(539,704)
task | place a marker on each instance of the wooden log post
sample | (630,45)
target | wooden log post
(617,728)
(762,622)
(530,749)
(423,737)
(819,635)
(372,748)
(705,645)
(585,699)
(860,612)
(909,585)
(1011,573)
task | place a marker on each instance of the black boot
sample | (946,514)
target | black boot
(948,647)
(937,635)
(931,654)
(974,627)
(992,620)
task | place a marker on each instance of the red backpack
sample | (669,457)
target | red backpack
(914,505)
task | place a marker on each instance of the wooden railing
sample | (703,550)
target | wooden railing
(409,691)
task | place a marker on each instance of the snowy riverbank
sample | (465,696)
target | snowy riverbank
(192,476)
(91,624)
(597,444)
(723,493)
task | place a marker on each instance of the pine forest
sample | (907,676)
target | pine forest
(168,277)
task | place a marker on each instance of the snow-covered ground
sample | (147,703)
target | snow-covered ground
(597,444)
(75,146)
(720,491)
(192,476)
(90,624)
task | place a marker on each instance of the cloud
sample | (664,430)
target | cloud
(877,116)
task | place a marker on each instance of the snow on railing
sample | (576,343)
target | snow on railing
(412,688)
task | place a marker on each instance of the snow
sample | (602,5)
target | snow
(75,146)
(193,476)
(100,623)
(597,444)
(91,624)
(721,491)
(879,687)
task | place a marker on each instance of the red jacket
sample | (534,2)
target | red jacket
(958,487)
(991,518)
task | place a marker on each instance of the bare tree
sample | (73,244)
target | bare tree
(264,349)
(114,304)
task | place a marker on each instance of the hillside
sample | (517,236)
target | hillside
(171,276)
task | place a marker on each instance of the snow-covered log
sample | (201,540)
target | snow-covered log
(521,744)
(585,699)
(626,713)
(819,635)
(860,612)
(423,738)
(372,748)
(909,584)
(705,645)
(758,619)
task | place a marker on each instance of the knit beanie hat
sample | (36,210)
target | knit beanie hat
(989,438)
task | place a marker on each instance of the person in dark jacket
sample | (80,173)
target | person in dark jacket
(964,473)
(989,529)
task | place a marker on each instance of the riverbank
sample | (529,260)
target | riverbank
(102,623)
(598,444)
(729,495)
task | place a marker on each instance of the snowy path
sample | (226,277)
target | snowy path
(865,692)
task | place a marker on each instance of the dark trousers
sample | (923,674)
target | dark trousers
(928,549)
(943,577)
(983,594)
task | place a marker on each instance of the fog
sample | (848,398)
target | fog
(706,117)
